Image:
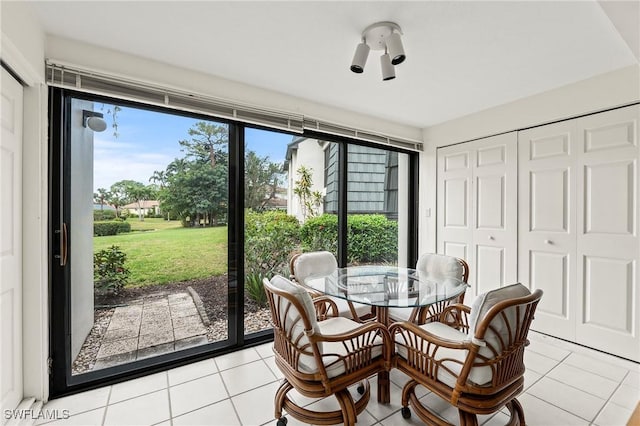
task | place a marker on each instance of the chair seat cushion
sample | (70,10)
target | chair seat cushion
(400,314)
(344,311)
(331,350)
(453,359)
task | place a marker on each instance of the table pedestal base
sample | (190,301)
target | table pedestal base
(384,387)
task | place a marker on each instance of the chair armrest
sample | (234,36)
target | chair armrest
(362,329)
(325,308)
(360,339)
(411,334)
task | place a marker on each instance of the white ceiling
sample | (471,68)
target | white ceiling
(462,57)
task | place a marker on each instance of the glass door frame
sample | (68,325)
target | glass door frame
(412,181)
(61,381)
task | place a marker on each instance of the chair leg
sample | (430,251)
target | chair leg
(516,412)
(467,419)
(347,406)
(348,413)
(421,411)
(279,399)
(407,390)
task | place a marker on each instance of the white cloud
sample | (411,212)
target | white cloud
(119,160)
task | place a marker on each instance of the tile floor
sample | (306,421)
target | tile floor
(565,385)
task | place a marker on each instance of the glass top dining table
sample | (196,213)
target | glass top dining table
(385,286)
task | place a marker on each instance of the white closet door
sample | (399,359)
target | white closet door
(547,224)
(10,244)
(477,209)
(495,215)
(454,219)
(607,232)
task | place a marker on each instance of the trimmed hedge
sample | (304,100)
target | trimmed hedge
(113,227)
(320,233)
(372,238)
(101,215)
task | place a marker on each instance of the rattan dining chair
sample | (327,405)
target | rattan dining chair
(322,358)
(476,364)
(436,265)
(322,263)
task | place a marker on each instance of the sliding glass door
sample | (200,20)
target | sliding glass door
(141,228)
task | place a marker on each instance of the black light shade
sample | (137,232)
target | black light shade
(360,58)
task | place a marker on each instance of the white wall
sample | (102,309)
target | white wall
(81,229)
(23,51)
(311,155)
(98,58)
(601,92)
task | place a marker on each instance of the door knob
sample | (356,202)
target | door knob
(491,238)
(548,242)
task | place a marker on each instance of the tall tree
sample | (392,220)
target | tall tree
(159,178)
(195,186)
(207,140)
(262,178)
(101,197)
(138,193)
(118,195)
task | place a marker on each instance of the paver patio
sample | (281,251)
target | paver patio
(150,327)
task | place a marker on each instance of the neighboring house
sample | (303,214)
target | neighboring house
(372,185)
(279,201)
(147,207)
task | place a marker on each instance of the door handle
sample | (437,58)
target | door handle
(491,238)
(548,242)
(63,244)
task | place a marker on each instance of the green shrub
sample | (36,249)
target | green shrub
(99,215)
(255,289)
(112,227)
(270,238)
(372,238)
(320,233)
(109,271)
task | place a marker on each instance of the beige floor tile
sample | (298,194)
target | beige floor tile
(196,394)
(247,376)
(144,410)
(191,371)
(220,413)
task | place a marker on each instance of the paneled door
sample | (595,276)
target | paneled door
(477,202)
(579,228)
(10,244)
(607,233)
(547,222)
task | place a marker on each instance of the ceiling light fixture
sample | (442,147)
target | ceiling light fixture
(384,36)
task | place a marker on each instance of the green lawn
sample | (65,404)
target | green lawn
(152,224)
(165,252)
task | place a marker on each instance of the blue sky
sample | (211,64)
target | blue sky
(148,141)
